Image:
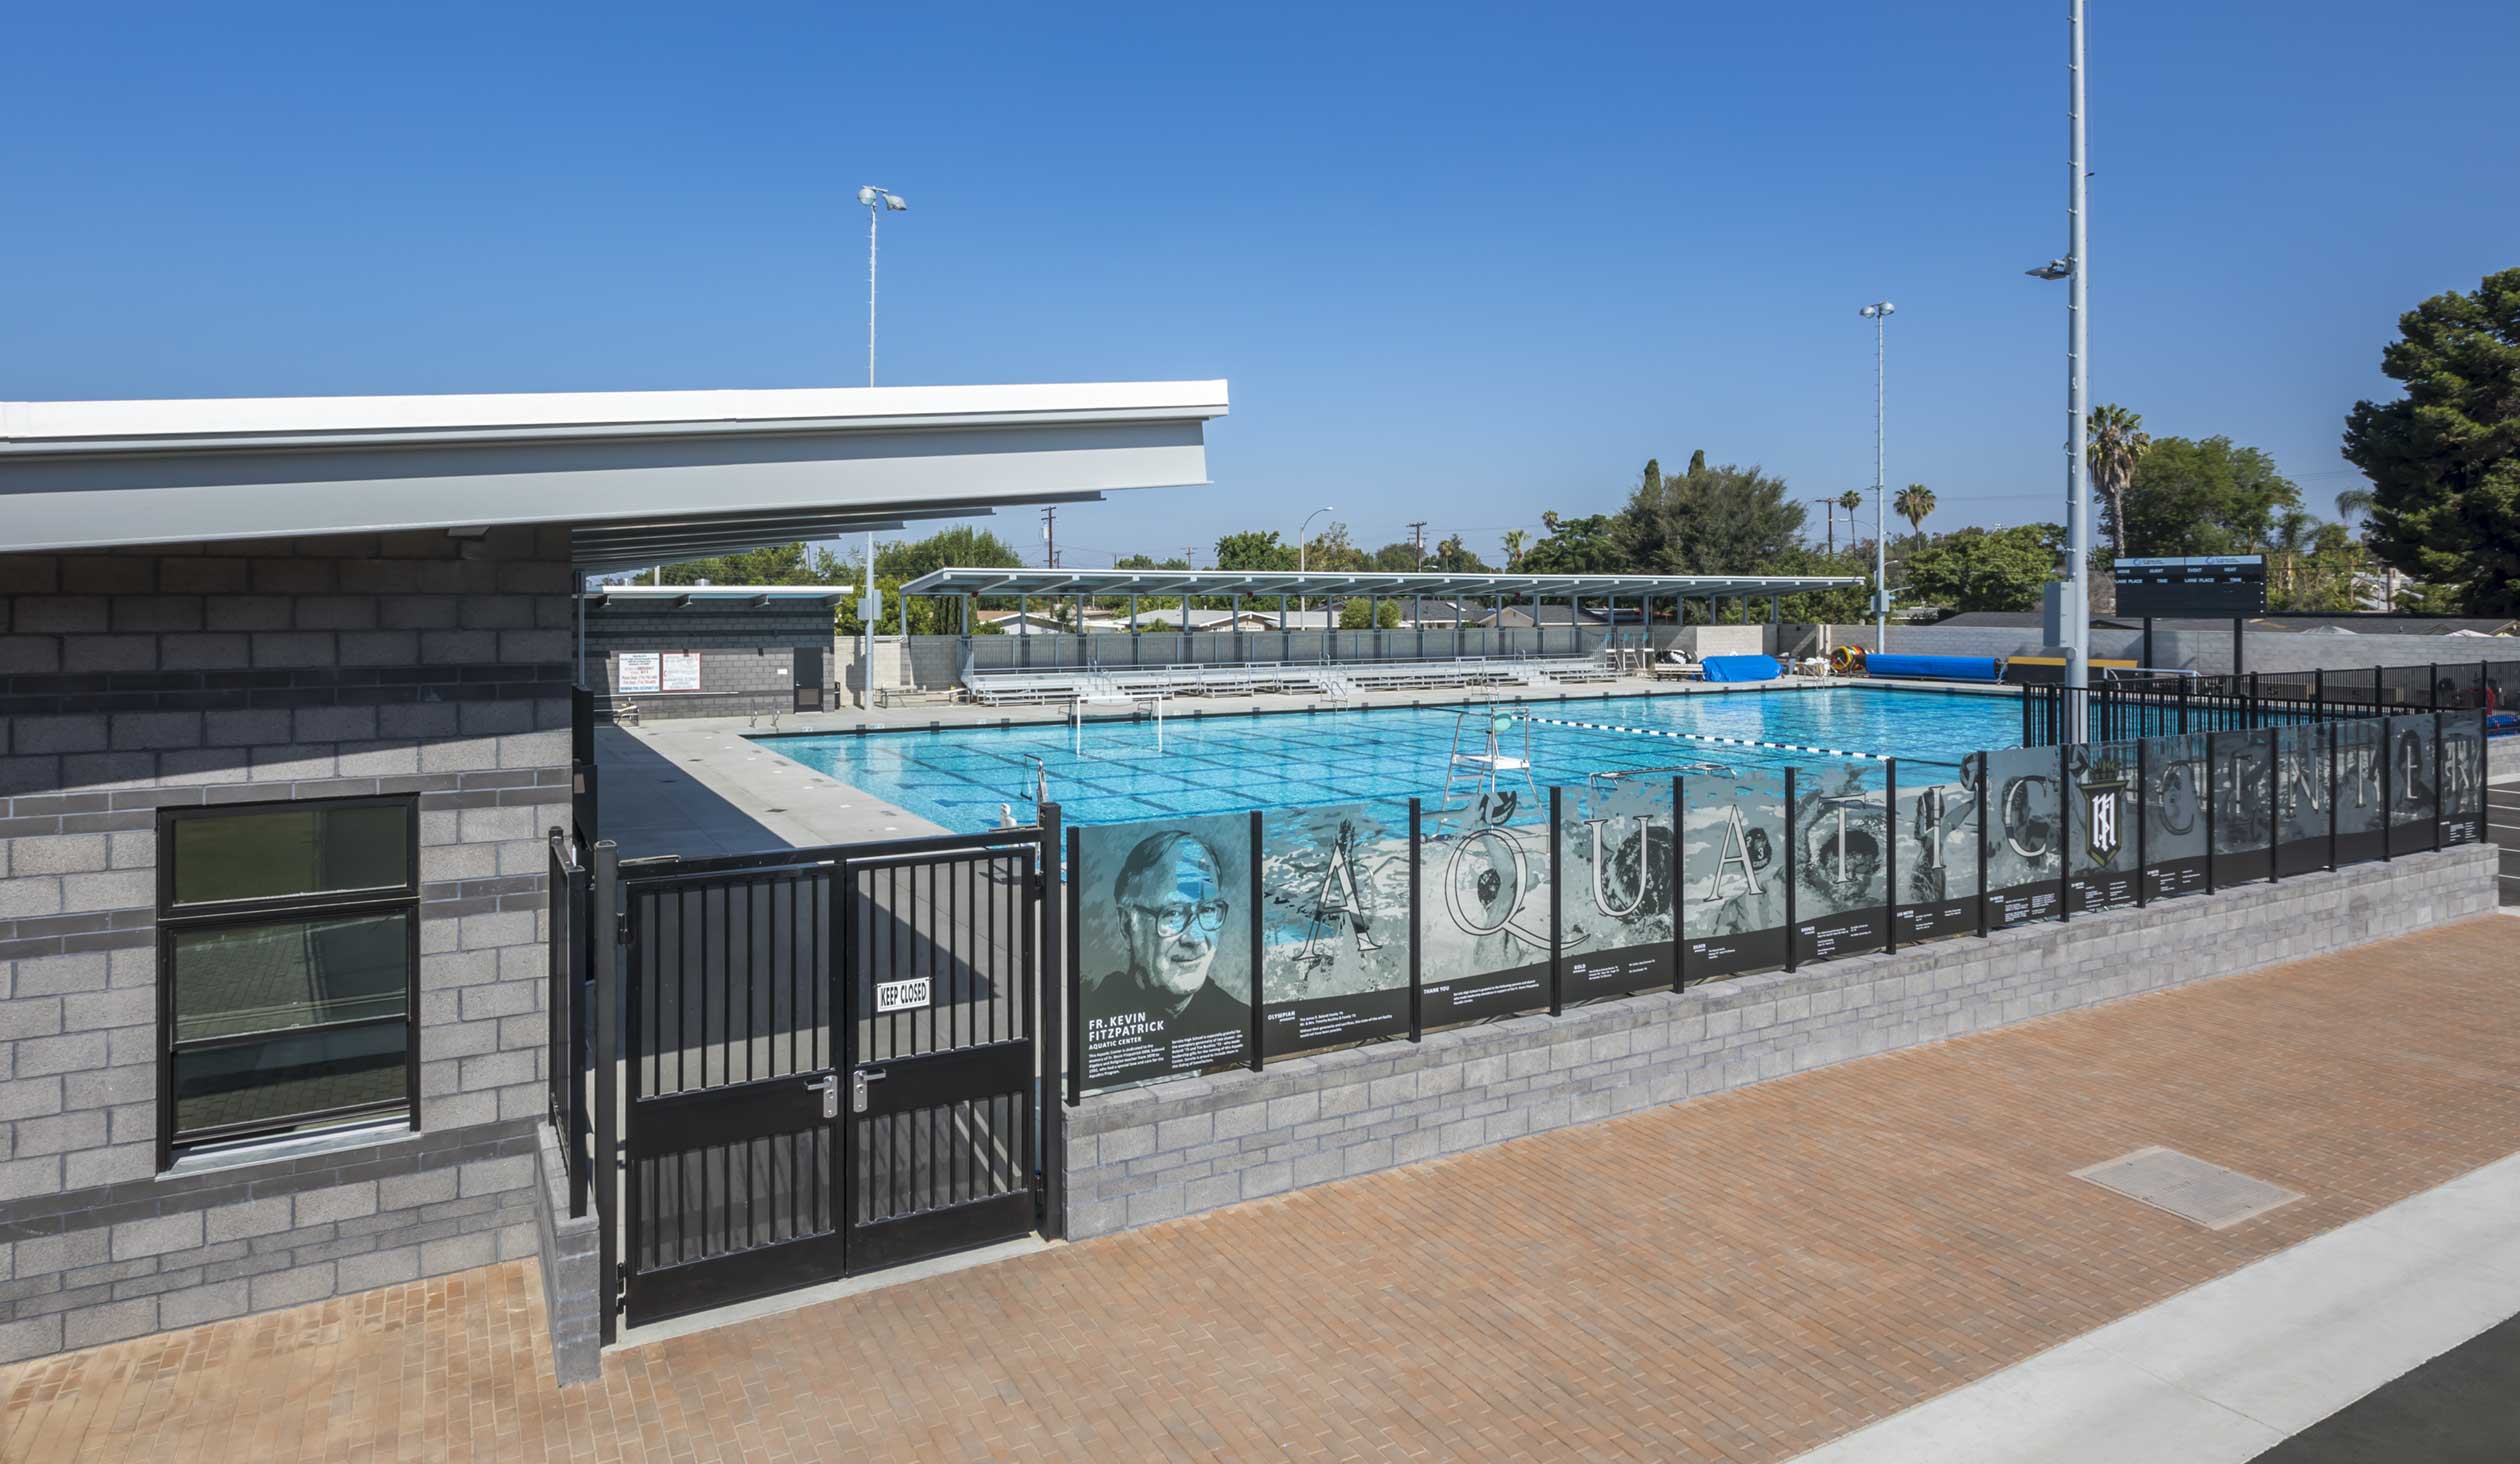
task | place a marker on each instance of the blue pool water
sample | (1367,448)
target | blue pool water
(1227,762)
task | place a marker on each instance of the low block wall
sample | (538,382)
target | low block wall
(1147,1154)
(570,1282)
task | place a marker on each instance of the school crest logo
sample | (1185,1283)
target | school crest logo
(2104,803)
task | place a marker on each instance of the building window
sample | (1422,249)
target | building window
(288,969)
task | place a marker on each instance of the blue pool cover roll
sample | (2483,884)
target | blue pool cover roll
(1742,668)
(1938,668)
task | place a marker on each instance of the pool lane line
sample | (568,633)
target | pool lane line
(1727,741)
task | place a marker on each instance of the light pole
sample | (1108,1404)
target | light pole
(1299,550)
(878,201)
(2072,602)
(1879,314)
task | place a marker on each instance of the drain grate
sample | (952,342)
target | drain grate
(2188,1187)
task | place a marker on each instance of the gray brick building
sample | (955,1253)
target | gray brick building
(286,713)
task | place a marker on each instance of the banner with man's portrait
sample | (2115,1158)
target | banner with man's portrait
(1616,880)
(1841,864)
(1732,872)
(1163,939)
(2025,851)
(2101,812)
(1935,830)
(1334,927)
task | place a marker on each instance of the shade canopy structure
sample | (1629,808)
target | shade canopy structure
(641,477)
(1343,584)
(715,597)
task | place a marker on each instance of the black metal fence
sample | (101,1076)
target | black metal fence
(566,1004)
(2158,706)
(1206,941)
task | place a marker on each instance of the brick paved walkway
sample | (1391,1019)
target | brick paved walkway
(1739,1277)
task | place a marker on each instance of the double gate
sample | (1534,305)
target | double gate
(829,1063)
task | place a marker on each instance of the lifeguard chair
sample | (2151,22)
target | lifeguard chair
(1489,729)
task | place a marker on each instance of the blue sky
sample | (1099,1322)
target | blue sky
(1460,263)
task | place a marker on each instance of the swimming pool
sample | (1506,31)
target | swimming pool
(1227,762)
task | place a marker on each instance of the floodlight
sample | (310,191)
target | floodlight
(2054,269)
(867,196)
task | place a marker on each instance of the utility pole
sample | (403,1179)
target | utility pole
(1050,536)
(1828,507)
(1190,555)
(1417,537)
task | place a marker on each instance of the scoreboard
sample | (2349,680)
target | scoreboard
(2219,587)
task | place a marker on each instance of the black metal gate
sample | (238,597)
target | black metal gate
(828,1063)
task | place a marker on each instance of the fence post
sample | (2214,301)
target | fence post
(2441,779)
(2275,807)
(2143,801)
(1049,975)
(2025,716)
(1417,1018)
(1557,941)
(2379,688)
(1679,897)
(2210,800)
(2332,797)
(2064,833)
(2184,683)
(2318,696)
(1258,936)
(1792,947)
(1890,857)
(2432,691)
(2249,716)
(611,929)
(2388,803)
(1074,1036)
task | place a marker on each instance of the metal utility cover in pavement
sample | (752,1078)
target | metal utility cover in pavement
(2188,1187)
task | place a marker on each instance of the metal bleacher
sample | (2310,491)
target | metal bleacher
(1339,680)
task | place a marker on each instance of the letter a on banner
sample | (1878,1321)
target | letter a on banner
(1340,903)
(1736,850)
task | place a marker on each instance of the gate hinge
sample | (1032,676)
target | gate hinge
(621,927)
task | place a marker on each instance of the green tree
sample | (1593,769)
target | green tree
(2114,442)
(1254,551)
(1454,557)
(1515,539)
(1595,544)
(1915,503)
(2206,496)
(1983,569)
(1851,500)
(772,564)
(2444,459)
(1399,558)
(959,547)
(1357,612)
(1709,520)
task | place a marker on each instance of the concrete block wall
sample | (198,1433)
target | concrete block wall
(569,1267)
(251,672)
(1147,1154)
(747,655)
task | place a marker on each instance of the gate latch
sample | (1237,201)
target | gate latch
(857,1088)
(829,1087)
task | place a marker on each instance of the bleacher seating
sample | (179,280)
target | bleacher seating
(1340,681)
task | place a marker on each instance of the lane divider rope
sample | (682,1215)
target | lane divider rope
(1710,737)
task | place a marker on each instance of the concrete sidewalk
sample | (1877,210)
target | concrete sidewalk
(1743,1277)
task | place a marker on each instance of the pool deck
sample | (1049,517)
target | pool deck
(699,785)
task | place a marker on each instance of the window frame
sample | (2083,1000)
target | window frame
(175,920)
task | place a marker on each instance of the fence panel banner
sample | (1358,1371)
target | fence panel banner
(2357,745)
(1483,907)
(2101,819)
(2462,778)
(1334,934)
(1841,870)
(2301,798)
(1733,872)
(2413,781)
(1935,831)
(2026,845)
(2244,806)
(2175,787)
(1163,939)
(1615,932)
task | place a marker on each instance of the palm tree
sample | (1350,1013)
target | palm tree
(1915,503)
(1514,541)
(2117,442)
(2355,503)
(1850,500)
